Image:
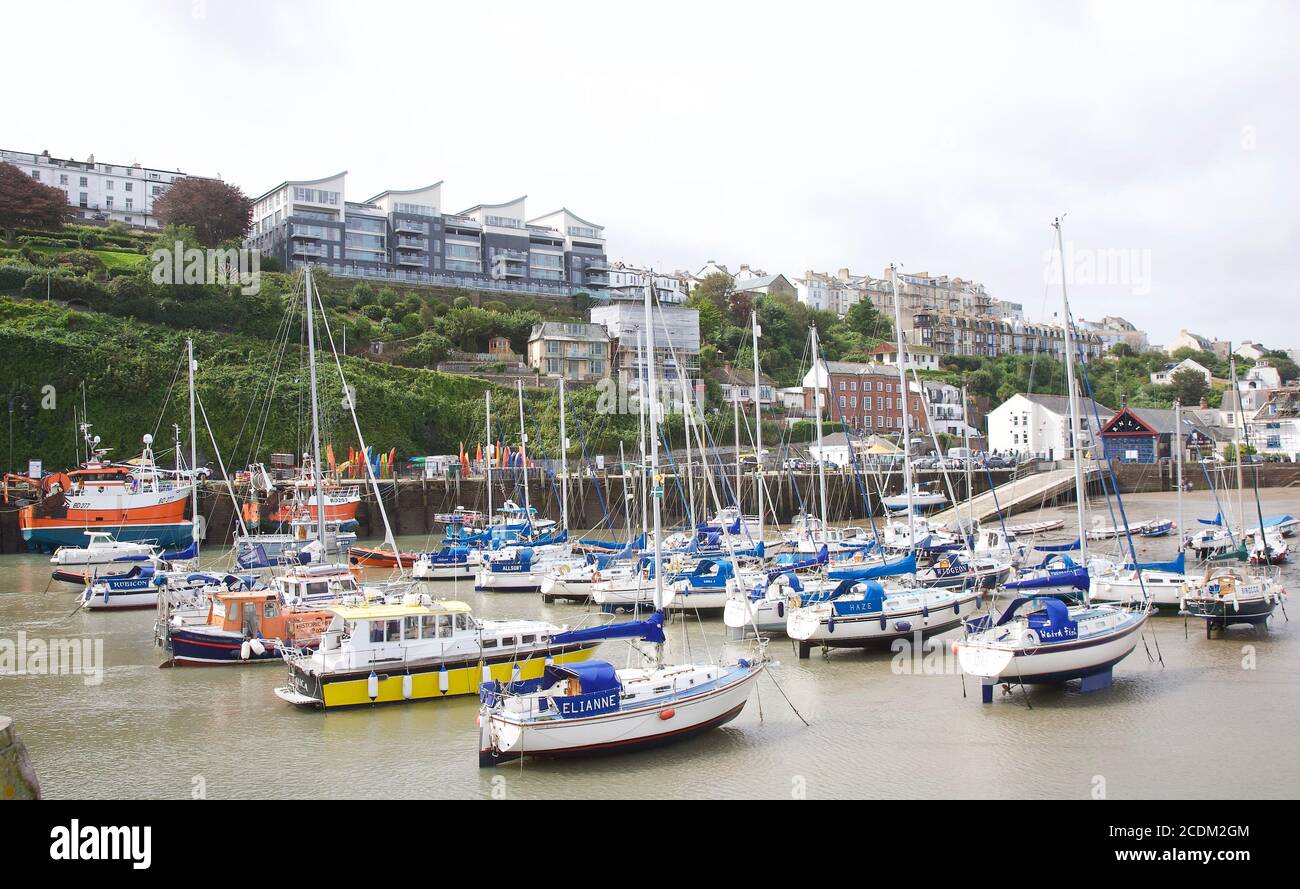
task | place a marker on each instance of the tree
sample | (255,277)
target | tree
(710,316)
(1122,350)
(1188,386)
(216,210)
(863,318)
(716,288)
(26,203)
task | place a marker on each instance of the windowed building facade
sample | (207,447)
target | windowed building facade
(407,236)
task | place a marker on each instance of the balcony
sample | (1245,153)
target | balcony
(413,243)
(410,225)
(461,222)
(300,249)
(417,260)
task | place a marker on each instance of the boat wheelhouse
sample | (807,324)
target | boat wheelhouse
(419,649)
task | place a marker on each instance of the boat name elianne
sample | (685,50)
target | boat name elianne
(590,705)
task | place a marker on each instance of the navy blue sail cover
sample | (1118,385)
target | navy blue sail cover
(902,566)
(651,630)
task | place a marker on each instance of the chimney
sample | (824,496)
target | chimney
(843,274)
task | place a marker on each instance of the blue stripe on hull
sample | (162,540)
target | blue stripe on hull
(166,536)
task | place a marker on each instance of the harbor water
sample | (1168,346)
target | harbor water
(1219,718)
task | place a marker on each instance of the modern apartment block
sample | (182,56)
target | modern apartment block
(405,235)
(575,351)
(100,192)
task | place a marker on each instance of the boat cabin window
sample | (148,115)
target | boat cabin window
(376,631)
(489,643)
(527,640)
(444,625)
(464,622)
(348,585)
(232,611)
(318,589)
(507,640)
(270,610)
(394,630)
(411,627)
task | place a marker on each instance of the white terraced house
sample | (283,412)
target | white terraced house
(97,191)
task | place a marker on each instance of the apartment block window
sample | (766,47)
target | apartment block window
(108,184)
(128,203)
(129,186)
(842,386)
(867,421)
(63,178)
(36,174)
(853,401)
(108,202)
(841,401)
(598,367)
(155,190)
(82,200)
(85,182)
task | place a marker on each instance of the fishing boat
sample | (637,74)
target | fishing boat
(1026,529)
(137,503)
(1039,638)
(420,649)
(243,626)
(591,707)
(374,557)
(1230,595)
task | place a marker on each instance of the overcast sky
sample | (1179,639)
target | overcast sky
(943,137)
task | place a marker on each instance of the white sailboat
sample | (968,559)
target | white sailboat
(1043,640)
(581,709)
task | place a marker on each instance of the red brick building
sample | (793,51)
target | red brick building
(865,397)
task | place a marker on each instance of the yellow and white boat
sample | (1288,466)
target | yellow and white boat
(419,649)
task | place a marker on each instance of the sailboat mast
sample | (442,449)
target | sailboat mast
(690,470)
(735,422)
(194,479)
(1237,430)
(965,442)
(654,466)
(758,421)
(907,426)
(315,414)
(564,464)
(488,453)
(819,370)
(523,453)
(1178,462)
(1080,487)
(641,427)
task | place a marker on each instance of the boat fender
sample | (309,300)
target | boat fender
(444,681)
(407,686)
(956,608)
(780,610)
(372,686)
(87,595)
(257,647)
(925,611)
(487,673)
(883,623)
(667,714)
(830,623)
(903,626)
(245,650)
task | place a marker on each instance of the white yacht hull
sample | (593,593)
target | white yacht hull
(658,721)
